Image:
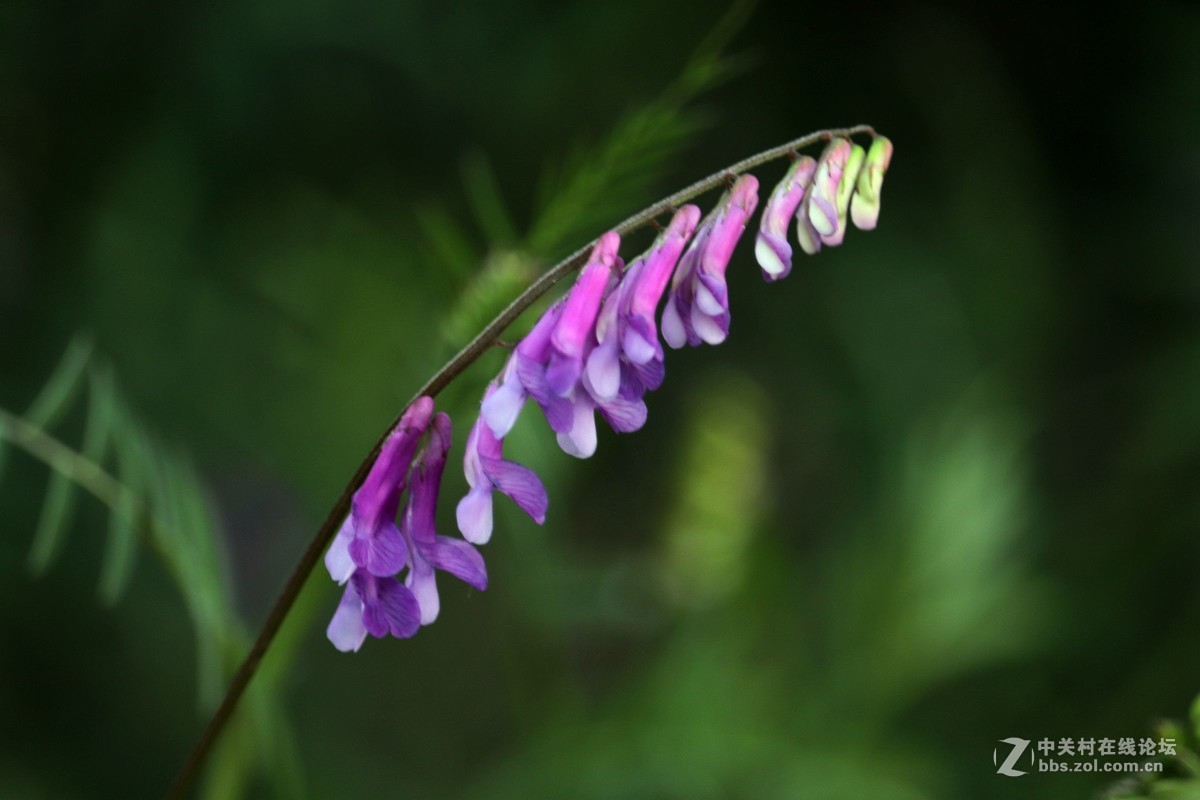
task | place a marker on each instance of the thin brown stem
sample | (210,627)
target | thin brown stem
(441,379)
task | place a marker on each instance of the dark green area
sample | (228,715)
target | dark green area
(939,488)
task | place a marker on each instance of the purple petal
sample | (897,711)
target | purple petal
(563,373)
(397,607)
(474,514)
(624,416)
(712,297)
(557,409)
(459,559)
(383,554)
(422,582)
(346,629)
(519,483)
(642,377)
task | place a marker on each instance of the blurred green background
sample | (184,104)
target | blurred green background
(938,489)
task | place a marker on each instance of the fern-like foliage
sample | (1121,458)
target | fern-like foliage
(153,495)
(581,191)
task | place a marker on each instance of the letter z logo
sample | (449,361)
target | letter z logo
(1018,748)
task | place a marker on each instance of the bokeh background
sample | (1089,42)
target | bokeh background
(938,489)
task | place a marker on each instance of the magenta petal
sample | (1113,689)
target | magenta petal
(521,484)
(346,630)
(459,559)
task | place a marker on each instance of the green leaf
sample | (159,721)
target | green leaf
(60,496)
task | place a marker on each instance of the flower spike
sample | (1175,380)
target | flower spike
(595,350)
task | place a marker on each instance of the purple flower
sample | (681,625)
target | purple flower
(771,248)
(487,470)
(373,605)
(639,337)
(697,309)
(524,375)
(576,325)
(369,538)
(427,550)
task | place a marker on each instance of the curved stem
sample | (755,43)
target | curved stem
(442,378)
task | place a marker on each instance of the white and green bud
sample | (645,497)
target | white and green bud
(864,206)
(850,174)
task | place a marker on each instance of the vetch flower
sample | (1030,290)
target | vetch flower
(697,309)
(845,188)
(486,471)
(428,551)
(369,538)
(771,247)
(577,323)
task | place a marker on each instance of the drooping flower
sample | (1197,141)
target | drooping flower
(697,309)
(373,605)
(864,206)
(487,470)
(771,247)
(369,538)
(428,551)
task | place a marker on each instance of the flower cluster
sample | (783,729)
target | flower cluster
(597,349)
(371,550)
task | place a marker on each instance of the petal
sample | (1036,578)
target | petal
(475,514)
(624,416)
(562,373)
(648,376)
(499,409)
(774,255)
(580,440)
(604,370)
(398,608)
(386,552)
(710,295)
(557,409)
(337,557)
(519,483)
(640,342)
(422,582)
(459,559)
(346,629)
(672,324)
